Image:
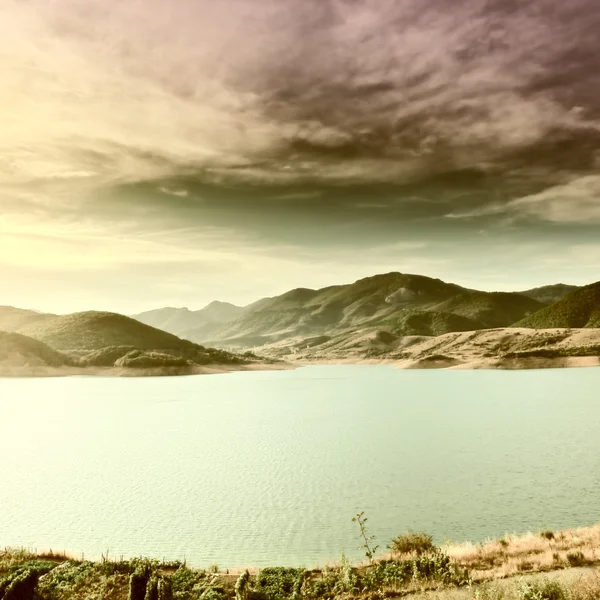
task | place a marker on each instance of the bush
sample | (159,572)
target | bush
(545,590)
(276,583)
(549,535)
(525,565)
(438,567)
(145,360)
(412,542)
(106,357)
(576,559)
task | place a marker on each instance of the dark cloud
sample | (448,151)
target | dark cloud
(299,126)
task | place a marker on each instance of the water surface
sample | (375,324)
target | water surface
(268,467)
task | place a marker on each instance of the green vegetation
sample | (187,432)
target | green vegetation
(16,349)
(90,331)
(549,294)
(140,359)
(95,339)
(417,567)
(412,542)
(150,580)
(432,323)
(489,309)
(580,308)
(367,540)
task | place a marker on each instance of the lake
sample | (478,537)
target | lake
(269,467)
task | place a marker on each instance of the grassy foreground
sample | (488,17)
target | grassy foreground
(415,567)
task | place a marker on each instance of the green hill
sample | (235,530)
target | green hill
(19,351)
(13,319)
(316,312)
(96,330)
(408,304)
(580,308)
(102,339)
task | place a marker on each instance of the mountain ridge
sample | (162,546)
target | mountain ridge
(408,303)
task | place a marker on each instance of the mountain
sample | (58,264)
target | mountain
(548,294)
(578,309)
(18,350)
(402,304)
(13,319)
(179,321)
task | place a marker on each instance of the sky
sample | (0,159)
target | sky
(159,153)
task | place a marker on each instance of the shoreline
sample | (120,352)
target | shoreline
(569,558)
(522,545)
(491,364)
(52,372)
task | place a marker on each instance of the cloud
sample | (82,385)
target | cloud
(576,201)
(172,192)
(261,91)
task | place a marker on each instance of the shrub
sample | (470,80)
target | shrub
(144,360)
(545,590)
(549,535)
(106,357)
(524,565)
(276,583)
(576,558)
(438,567)
(412,542)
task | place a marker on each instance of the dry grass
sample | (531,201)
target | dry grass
(10,557)
(532,552)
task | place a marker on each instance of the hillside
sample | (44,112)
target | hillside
(13,319)
(102,339)
(579,308)
(548,294)
(489,309)
(20,351)
(181,320)
(502,348)
(403,304)
(94,330)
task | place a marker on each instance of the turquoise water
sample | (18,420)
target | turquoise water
(258,468)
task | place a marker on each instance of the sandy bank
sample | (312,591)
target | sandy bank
(503,348)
